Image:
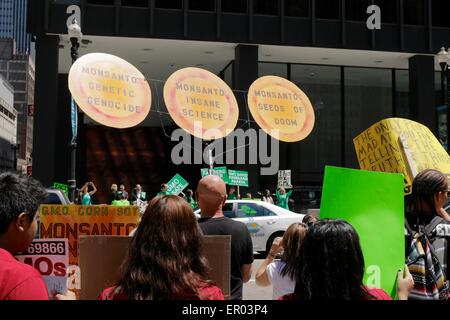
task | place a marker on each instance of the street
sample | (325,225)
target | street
(254,292)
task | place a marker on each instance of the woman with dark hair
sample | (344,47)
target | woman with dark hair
(428,196)
(281,273)
(428,235)
(331,266)
(165,260)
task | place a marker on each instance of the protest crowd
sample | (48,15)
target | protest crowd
(318,259)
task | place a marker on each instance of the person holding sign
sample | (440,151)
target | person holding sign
(427,223)
(190,199)
(331,266)
(20,198)
(283,197)
(232,194)
(121,201)
(85,194)
(164,188)
(165,260)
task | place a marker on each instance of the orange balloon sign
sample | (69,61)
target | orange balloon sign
(201,103)
(110,90)
(281,109)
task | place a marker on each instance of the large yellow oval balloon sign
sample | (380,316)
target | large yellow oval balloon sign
(281,109)
(201,103)
(110,90)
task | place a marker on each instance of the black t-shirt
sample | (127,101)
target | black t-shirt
(241,247)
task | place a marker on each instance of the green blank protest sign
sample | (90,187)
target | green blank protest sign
(373,203)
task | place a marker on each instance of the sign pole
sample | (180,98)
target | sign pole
(238,192)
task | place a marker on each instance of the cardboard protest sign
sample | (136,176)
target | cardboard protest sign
(176,185)
(281,109)
(403,146)
(222,172)
(377,214)
(284,178)
(201,103)
(51,258)
(110,90)
(72,221)
(101,257)
(61,186)
(238,178)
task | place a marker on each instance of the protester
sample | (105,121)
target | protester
(281,273)
(86,195)
(232,194)
(211,196)
(267,197)
(121,201)
(165,260)
(190,199)
(113,195)
(122,191)
(309,219)
(164,188)
(138,195)
(248,196)
(331,266)
(20,198)
(283,197)
(427,226)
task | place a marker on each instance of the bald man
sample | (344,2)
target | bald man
(211,196)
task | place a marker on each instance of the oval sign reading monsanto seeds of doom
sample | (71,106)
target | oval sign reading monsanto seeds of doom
(281,109)
(201,103)
(110,90)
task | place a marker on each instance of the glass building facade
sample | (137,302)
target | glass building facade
(13,16)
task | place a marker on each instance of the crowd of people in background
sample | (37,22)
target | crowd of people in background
(318,259)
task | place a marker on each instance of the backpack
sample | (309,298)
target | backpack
(427,270)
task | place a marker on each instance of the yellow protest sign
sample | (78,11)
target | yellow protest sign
(281,109)
(72,221)
(403,146)
(201,103)
(110,90)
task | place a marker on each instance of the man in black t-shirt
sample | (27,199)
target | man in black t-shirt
(211,196)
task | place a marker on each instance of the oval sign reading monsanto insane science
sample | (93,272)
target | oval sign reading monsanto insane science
(110,90)
(201,103)
(281,109)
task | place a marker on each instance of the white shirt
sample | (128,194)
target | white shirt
(281,285)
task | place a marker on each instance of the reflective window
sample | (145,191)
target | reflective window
(234,6)
(251,210)
(328,9)
(202,5)
(388,10)
(322,85)
(169,4)
(269,7)
(297,8)
(368,99)
(272,69)
(402,94)
(414,12)
(355,10)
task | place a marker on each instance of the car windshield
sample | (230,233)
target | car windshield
(52,198)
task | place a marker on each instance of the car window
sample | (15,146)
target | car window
(248,210)
(52,198)
(228,210)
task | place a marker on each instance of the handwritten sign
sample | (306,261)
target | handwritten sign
(400,146)
(71,221)
(284,179)
(110,90)
(281,109)
(201,103)
(51,258)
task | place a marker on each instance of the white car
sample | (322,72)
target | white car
(264,221)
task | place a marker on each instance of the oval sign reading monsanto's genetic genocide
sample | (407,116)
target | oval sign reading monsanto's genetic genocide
(281,109)
(110,90)
(201,103)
